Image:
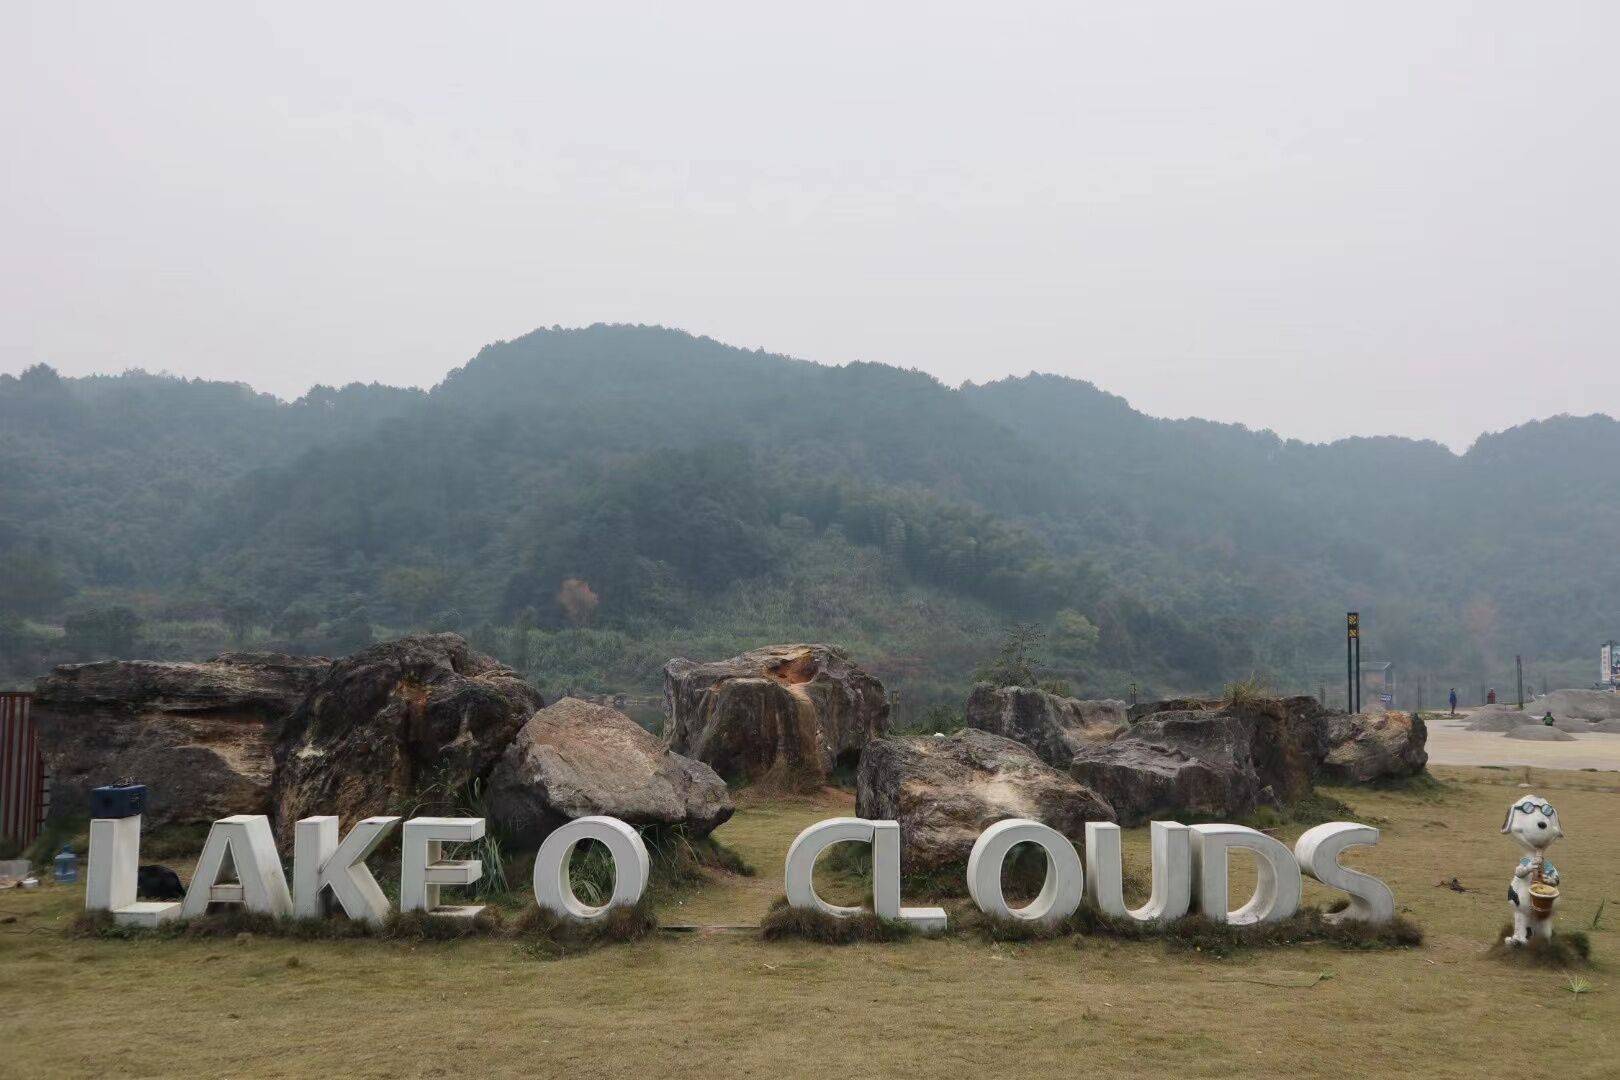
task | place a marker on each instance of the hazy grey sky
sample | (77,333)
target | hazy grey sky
(1322,219)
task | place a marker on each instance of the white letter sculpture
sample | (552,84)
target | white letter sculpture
(320,864)
(261,886)
(1276,893)
(1533,892)
(884,836)
(886,883)
(631,867)
(1172,872)
(114,866)
(1318,851)
(1060,894)
(423,869)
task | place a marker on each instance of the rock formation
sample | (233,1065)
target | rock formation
(1359,748)
(1224,760)
(945,790)
(201,736)
(392,720)
(1048,724)
(784,715)
(1215,762)
(1149,708)
(1174,764)
(573,759)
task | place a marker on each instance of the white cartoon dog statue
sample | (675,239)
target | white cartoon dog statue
(1533,822)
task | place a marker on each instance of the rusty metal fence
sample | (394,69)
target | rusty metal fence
(24,786)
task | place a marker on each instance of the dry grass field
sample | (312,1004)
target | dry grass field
(725,1004)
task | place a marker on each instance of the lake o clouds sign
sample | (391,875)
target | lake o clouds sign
(330,875)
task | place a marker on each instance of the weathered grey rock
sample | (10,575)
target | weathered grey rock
(201,736)
(945,790)
(1149,708)
(1048,724)
(1174,764)
(1227,759)
(784,715)
(574,758)
(1359,748)
(1217,762)
(392,720)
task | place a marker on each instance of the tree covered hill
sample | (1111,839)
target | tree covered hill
(586,500)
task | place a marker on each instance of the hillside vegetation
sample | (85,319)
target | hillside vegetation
(587,503)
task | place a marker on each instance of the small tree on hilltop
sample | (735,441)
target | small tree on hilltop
(577,601)
(1074,635)
(1018,661)
(297,619)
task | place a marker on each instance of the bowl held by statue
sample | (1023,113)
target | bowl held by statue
(1542,896)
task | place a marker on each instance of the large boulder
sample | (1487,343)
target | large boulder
(945,790)
(201,736)
(1217,762)
(1048,724)
(1226,759)
(574,758)
(1359,748)
(787,716)
(393,721)
(1173,764)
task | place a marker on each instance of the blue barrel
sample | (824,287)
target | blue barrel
(66,867)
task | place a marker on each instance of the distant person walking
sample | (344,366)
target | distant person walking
(1453,701)
(1490,696)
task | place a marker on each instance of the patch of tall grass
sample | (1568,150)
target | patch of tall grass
(1200,934)
(398,926)
(1565,949)
(536,932)
(1250,691)
(782,922)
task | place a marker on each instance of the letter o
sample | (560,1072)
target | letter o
(1065,883)
(631,866)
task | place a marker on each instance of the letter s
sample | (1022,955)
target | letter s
(1318,852)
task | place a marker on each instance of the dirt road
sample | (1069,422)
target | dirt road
(1451,743)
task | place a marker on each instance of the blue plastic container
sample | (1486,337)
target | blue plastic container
(66,867)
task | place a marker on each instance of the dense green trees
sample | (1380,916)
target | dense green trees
(590,502)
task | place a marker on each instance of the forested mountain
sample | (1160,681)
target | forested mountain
(588,502)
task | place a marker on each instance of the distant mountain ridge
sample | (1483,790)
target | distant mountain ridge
(664,469)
